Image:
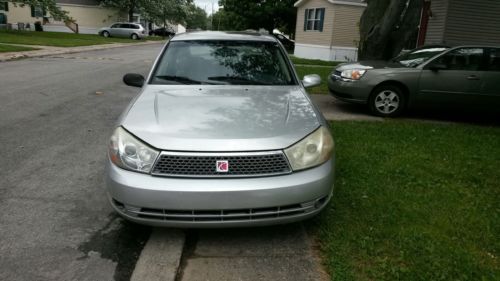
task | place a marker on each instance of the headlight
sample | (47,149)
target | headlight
(314,150)
(353,74)
(129,153)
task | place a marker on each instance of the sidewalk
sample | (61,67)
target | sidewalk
(49,51)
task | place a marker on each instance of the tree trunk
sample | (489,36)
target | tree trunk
(387,27)
(130,14)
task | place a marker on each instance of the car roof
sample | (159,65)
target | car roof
(221,35)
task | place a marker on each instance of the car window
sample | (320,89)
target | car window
(116,25)
(462,59)
(416,57)
(135,26)
(223,62)
(125,25)
(494,60)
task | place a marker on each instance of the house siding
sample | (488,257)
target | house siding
(346,25)
(473,22)
(437,23)
(18,13)
(93,16)
(311,36)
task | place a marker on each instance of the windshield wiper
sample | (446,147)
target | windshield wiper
(237,80)
(180,79)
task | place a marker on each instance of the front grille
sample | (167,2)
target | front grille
(205,164)
(222,215)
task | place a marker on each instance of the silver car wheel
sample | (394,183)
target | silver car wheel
(105,34)
(387,102)
(135,37)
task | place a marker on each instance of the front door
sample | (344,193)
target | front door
(458,83)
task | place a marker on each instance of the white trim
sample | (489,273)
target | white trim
(326,53)
(338,2)
(325,47)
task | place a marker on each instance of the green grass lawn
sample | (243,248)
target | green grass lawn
(297,60)
(10,48)
(413,201)
(58,39)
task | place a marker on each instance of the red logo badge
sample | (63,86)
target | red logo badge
(222,166)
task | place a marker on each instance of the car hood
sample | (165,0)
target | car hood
(221,118)
(375,64)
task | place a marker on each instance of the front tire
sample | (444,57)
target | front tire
(105,34)
(387,101)
(134,37)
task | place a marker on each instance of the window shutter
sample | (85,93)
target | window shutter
(32,11)
(322,19)
(6,7)
(305,19)
(44,11)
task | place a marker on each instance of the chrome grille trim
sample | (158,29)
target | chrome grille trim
(202,164)
(255,214)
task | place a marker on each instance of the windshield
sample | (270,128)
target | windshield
(418,56)
(223,63)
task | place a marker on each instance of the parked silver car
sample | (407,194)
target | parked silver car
(124,29)
(222,134)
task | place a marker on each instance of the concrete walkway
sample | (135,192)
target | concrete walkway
(248,254)
(337,110)
(49,50)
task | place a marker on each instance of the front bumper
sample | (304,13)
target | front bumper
(350,91)
(219,202)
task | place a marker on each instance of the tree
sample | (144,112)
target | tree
(222,20)
(388,26)
(129,6)
(161,12)
(256,14)
(48,5)
(196,17)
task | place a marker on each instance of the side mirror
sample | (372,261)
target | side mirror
(311,80)
(134,80)
(437,67)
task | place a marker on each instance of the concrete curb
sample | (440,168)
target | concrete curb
(50,51)
(161,256)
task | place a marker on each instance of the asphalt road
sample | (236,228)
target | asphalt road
(56,115)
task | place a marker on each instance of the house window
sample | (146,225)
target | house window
(4,6)
(314,19)
(37,11)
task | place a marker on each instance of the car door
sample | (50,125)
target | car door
(490,89)
(114,29)
(452,78)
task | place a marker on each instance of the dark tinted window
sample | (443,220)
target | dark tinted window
(116,25)
(125,25)
(462,59)
(494,60)
(134,26)
(223,62)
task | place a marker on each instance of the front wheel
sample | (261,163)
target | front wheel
(134,37)
(387,101)
(105,34)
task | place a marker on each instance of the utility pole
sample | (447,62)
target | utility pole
(212,17)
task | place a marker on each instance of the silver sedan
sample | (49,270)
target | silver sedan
(222,134)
